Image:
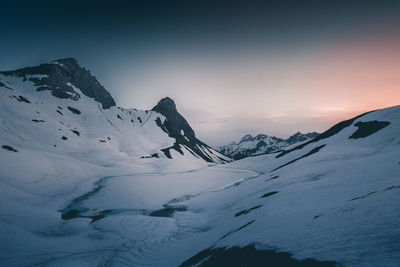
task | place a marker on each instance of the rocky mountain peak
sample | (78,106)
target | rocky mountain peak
(62,77)
(165,105)
(175,123)
(247,137)
(178,128)
(69,61)
(299,137)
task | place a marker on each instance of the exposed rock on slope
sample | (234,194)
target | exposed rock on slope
(177,127)
(61,76)
(77,115)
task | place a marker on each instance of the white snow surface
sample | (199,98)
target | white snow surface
(341,203)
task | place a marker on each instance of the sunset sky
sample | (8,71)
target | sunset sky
(232,67)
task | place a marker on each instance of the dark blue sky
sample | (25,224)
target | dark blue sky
(96,32)
(142,51)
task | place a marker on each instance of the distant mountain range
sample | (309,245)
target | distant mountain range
(59,107)
(261,144)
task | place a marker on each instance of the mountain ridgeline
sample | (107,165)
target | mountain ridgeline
(61,76)
(62,107)
(262,144)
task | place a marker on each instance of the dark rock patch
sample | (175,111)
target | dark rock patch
(272,178)
(76,132)
(167,152)
(38,120)
(102,141)
(59,107)
(132,120)
(97,217)
(74,110)
(119,117)
(59,112)
(154,155)
(317,216)
(159,124)
(364,196)
(249,256)
(330,132)
(393,187)
(64,138)
(269,194)
(312,151)
(71,214)
(244,212)
(20,98)
(237,229)
(367,128)
(108,138)
(5,86)
(139,119)
(9,148)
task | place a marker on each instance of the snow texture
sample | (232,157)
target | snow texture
(91,200)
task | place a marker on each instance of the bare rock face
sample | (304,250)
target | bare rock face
(177,127)
(61,76)
(175,122)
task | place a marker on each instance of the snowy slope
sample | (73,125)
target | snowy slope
(261,144)
(334,198)
(42,109)
(85,202)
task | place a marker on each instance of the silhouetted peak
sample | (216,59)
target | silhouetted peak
(165,105)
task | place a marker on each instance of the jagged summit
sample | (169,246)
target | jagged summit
(63,77)
(262,143)
(299,137)
(166,105)
(176,124)
(177,127)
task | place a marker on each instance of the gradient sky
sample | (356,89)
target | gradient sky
(232,67)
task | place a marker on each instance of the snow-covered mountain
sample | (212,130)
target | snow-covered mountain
(60,108)
(89,199)
(261,144)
